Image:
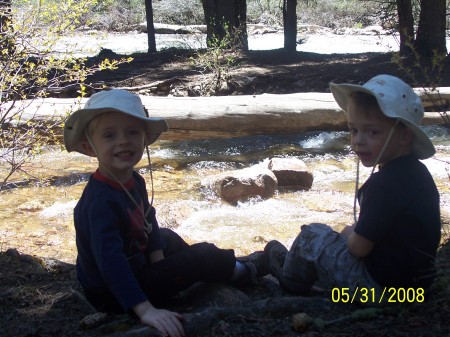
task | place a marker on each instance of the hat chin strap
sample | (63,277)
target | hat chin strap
(383,149)
(149,226)
(386,143)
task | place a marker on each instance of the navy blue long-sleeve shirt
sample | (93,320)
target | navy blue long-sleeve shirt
(112,237)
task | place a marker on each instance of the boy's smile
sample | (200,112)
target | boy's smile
(119,142)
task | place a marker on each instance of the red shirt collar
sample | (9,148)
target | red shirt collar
(114,184)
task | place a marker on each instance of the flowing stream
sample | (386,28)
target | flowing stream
(36,218)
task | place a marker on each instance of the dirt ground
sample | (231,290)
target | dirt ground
(181,73)
(39,296)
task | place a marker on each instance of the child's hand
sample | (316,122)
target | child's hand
(167,322)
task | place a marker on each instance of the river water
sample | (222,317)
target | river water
(37,218)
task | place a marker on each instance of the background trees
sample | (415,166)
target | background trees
(224,18)
(430,19)
(421,24)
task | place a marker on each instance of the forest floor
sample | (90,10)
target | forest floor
(196,73)
(39,296)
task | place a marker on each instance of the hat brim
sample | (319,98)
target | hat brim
(76,123)
(422,146)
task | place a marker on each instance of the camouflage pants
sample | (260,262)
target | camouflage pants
(320,254)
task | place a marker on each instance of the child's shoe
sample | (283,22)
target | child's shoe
(256,268)
(274,255)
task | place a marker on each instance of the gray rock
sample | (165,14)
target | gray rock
(291,173)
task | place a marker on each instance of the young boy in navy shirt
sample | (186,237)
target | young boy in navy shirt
(393,243)
(125,261)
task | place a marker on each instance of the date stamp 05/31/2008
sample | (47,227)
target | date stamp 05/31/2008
(376,296)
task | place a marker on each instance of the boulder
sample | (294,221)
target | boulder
(243,184)
(291,173)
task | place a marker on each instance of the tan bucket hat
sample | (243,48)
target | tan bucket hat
(396,99)
(106,101)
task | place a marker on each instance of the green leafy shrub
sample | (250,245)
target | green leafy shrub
(216,61)
(426,73)
(30,70)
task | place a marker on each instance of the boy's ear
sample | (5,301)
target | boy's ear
(88,148)
(407,135)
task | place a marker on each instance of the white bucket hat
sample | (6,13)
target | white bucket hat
(106,101)
(396,99)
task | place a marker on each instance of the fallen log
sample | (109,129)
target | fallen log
(236,116)
(161,85)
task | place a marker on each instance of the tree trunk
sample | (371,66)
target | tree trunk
(290,25)
(150,26)
(241,12)
(430,38)
(226,22)
(406,26)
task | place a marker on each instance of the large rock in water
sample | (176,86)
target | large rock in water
(243,184)
(291,173)
(259,181)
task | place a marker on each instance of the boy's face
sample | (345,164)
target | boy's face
(119,142)
(369,130)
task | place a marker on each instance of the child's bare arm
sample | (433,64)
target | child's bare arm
(358,245)
(347,230)
(167,322)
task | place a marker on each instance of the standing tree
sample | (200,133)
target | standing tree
(430,38)
(150,26)
(290,25)
(405,26)
(225,19)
